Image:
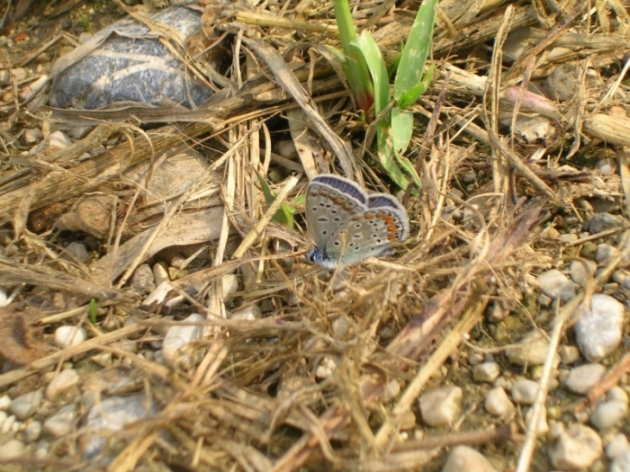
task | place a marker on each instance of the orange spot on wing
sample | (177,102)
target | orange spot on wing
(392,237)
(392,228)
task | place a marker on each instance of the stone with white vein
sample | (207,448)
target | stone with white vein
(599,329)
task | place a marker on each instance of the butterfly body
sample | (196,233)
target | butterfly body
(347,225)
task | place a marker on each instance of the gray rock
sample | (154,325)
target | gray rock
(79,251)
(25,405)
(583,378)
(605,221)
(142,280)
(604,253)
(599,329)
(110,415)
(131,66)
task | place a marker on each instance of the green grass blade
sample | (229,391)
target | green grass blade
(366,47)
(414,93)
(415,52)
(401,129)
(354,66)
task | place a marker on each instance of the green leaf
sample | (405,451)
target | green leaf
(415,52)
(401,129)
(92,310)
(414,93)
(353,64)
(366,47)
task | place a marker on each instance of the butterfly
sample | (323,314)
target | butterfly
(347,225)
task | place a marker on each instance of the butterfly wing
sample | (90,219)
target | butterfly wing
(331,201)
(370,233)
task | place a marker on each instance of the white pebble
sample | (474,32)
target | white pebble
(542,427)
(179,336)
(63,382)
(583,378)
(524,391)
(33,431)
(26,405)
(608,414)
(617,393)
(617,446)
(621,463)
(486,372)
(599,330)
(230,286)
(59,140)
(62,422)
(7,424)
(78,250)
(464,458)
(498,404)
(555,284)
(569,354)
(326,368)
(604,252)
(578,447)
(249,313)
(532,350)
(441,406)
(4,299)
(5,402)
(582,270)
(11,449)
(68,336)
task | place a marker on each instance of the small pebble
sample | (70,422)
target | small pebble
(578,447)
(567,237)
(62,422)
(249,313)
(392,389)
(4,299)
(12,449)
(486,372)
(532,350)
(498,404)
(569,354)
(583,378)
(160,274)
(621,463)
(5,402)
(464,458)
(524,391)
(582,270)
(606,166)
(608,414)
(555,284)
(142,281)
(25,405)
(63,382)
(619,445)
(59,140)
(599,329)
(179,336)
(441,406)
(230,286)
(7,424)
(604,253)
(617,393)
(32,136)
(79,251)
(68,336)
(542,427)
(475,358)
(33,431)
